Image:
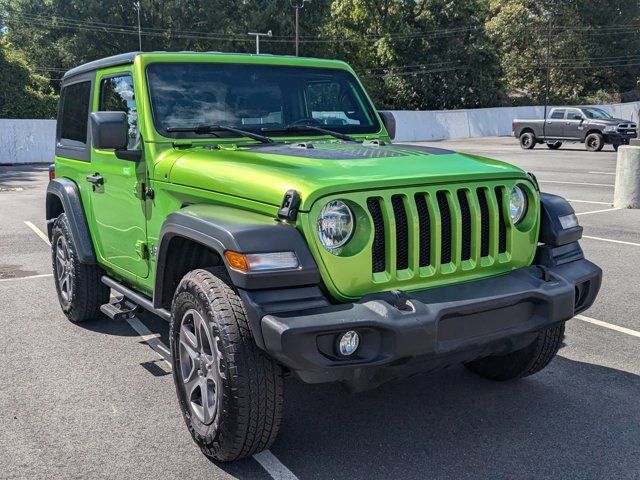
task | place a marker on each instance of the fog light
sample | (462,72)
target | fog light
(349,343)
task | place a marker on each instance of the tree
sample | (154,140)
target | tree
(23,93)
(590,45)
(427,54)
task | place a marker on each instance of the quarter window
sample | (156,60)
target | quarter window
(116,95)
(75,112)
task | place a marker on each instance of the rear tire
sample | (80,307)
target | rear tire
(79,286)
(230,392)
(594,142)
(554,146)
(527,141)
(523,362)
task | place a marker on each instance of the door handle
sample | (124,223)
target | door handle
(96,179)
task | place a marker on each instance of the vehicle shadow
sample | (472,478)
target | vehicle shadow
(20,175)
(573,420)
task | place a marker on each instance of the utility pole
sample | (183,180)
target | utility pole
(298,4)
(258,35)
(546,98)
(137,5)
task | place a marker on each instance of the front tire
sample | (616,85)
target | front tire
(527,141)
(594,142)
(79,286)
(524,362)
(230,392)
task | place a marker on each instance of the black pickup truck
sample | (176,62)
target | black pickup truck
(592,126)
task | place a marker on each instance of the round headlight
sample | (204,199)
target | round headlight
(335,225)
(517,204)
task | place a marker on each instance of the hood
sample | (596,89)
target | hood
(610,121)
(265,172)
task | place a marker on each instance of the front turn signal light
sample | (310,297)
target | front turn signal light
(260,262)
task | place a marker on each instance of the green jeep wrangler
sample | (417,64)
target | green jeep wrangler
(258,205)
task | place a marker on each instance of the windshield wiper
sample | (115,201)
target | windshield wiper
(204,129)
(302,128)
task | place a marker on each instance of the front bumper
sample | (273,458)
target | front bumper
(620,138)
(439,326)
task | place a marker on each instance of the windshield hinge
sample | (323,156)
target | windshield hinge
(289,208)
(182,144)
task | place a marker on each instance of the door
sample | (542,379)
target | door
(555,124)
(119,210)
(573,124)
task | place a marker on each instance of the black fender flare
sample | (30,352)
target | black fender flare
(221,228)
(66,191)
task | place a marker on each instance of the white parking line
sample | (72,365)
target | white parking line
(612,241)
(590,201)
(578,183)
(273,466)
(610,326)
(598,211)
(39,232)
(603,173)
(26,278)
(152,339)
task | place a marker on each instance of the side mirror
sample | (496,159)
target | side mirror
(389,122)
(109,130)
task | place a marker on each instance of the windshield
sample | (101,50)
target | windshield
(256,98)
(596,113)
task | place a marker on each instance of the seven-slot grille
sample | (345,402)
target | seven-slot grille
(443,229)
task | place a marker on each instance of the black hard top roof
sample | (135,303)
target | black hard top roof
(122,59)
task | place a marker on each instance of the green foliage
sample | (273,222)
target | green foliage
(23,94)
(592,47)
(411,54)
(419,55)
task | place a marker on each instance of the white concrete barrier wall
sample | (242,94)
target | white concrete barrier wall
(33,141)
(27,141)
(414,126)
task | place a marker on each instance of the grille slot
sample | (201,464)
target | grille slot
(402,232)
(378,260)
(502,226)
(445,218)
(424,225)
(485,226)
(466,224)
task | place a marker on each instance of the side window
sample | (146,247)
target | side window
(557,115)
(75,113)
(116,95)
(331,104)
(574,115)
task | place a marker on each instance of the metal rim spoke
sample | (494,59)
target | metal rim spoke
(199,366)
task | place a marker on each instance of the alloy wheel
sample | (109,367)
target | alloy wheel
(199,367)
(64,267)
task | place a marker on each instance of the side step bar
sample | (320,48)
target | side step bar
(141,300)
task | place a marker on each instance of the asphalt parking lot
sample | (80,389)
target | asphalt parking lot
(97,400)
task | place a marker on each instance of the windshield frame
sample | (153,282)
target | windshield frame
(587,109)
(364,100)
